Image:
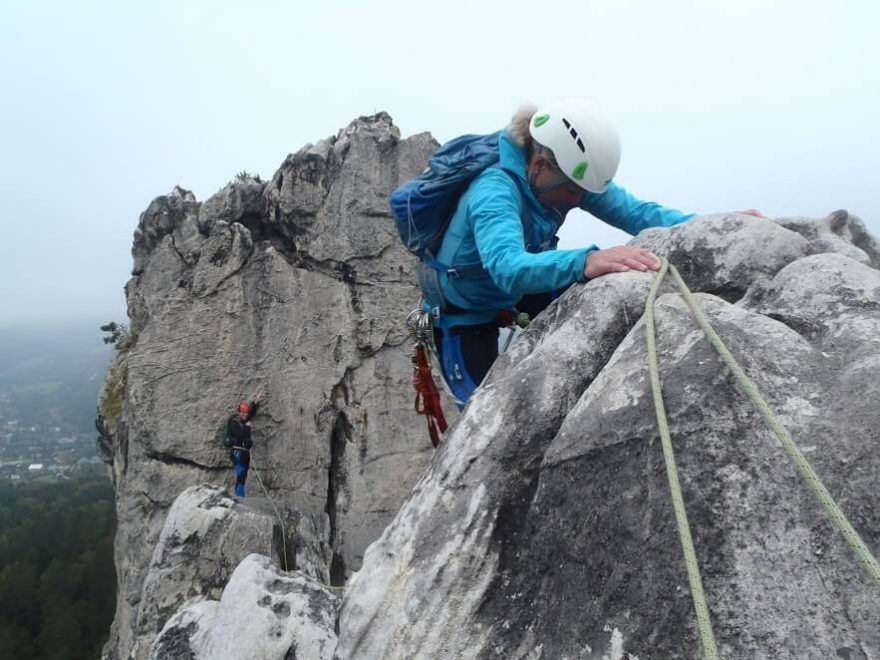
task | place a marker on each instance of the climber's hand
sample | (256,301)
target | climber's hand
(618,260)
(753,212)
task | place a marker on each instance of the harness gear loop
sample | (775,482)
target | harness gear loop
(794,453)
(427,401)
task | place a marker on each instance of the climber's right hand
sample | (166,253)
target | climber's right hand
(619,259)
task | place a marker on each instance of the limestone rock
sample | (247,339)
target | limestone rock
(717,253)
(206,535)
(544,527)
(839,232)
(298,287)
(263,614)
(160,219)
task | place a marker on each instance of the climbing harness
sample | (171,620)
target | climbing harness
(427,400)
(804,468)
(419,324)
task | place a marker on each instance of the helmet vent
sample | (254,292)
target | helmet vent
(574,134)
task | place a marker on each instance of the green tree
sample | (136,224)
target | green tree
(117,334)
(18,583)
(15,642)
(59,637)
(246,177)
(57,580)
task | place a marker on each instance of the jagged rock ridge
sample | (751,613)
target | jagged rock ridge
(298,287)
(543,528)
(222,602)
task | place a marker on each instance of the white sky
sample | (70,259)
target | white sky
(722,105)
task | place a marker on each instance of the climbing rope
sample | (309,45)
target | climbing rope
(804,468)
(286,566)
(704,623)
(277,515)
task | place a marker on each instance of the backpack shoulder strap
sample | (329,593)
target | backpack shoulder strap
(478,270)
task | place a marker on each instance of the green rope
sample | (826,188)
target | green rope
(684,532)
(286,566)
(804,468)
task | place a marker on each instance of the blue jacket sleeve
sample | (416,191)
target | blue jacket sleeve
(620,209)
(494,209)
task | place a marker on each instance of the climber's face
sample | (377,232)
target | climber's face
(566,197)
(552,188)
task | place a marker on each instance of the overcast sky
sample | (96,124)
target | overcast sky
(722,105)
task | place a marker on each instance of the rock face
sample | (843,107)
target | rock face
(206,535)
(544,527)
(262,615)
(297,287)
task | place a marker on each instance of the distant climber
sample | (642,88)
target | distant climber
(238,439)
(497,253)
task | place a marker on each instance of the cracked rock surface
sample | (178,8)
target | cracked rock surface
(206,534)
(298,287)
(263,614)
(544,528)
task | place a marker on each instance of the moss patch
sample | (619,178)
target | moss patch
(113,392)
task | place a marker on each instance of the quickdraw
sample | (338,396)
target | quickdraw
(427,400)
(512,319)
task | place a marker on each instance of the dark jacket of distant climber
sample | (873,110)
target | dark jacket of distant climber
(238,428)
(238,431)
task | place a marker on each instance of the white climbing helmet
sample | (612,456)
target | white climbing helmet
(583,140)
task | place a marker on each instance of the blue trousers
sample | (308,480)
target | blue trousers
(242,461)
(466,353)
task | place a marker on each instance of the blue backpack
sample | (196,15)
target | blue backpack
(422,207)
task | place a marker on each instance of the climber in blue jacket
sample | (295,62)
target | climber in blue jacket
(551,161)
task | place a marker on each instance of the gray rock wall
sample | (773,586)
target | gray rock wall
(263,614)
(205,536)
(298,287)
(544,527)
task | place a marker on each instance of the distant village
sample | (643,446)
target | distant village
(46,452)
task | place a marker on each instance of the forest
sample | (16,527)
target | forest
(57,579)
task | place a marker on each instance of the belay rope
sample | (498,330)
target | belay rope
(427,400)
(804,468)
(278,517)
(286,566)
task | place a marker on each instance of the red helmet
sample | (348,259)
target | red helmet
(244,407)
